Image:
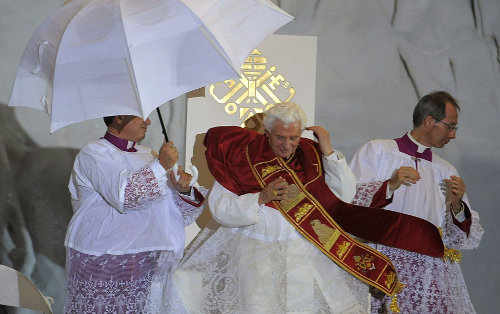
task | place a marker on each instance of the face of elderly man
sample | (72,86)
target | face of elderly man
(284,138)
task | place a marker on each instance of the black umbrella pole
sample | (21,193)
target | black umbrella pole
(164,131)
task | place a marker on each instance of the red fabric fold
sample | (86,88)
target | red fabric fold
(464,225)
(380,199)
(229,150)
(199,198)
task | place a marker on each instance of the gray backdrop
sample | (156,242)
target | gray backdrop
(375,58)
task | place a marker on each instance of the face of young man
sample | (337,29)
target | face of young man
(284,138)
(135,129)
(444,130)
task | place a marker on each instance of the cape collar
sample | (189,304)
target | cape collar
(408,145)
(120,143)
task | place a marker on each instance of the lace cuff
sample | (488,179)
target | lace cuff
(455,238)
(365,193)
(191,210)
(142,186)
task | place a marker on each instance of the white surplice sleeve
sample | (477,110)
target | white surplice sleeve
(339,176)
(364,163)
(123,189)
(231,210)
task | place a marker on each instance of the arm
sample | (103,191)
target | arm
(373,194)
(123,189)
(461,226)
(120,187)
(370,190)
(364,163)
(456,238)
(231,210)
(191,205)
(370,186)
(339,177)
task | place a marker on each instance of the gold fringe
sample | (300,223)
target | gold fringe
(394,302)
(452,255)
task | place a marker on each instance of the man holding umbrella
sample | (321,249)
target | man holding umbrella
(97,58)
(127,232)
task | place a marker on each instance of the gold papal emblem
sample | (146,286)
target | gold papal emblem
(258,88)
(364,263)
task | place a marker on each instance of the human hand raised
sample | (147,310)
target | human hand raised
(455,190)
(274,191)
(182,185)
(404,175)
(323,137)
(168,155)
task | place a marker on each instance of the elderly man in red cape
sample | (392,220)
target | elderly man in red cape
(284,243)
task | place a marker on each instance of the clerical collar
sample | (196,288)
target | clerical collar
(120,143)
(408,145)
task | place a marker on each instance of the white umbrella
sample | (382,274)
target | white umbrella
(96,58)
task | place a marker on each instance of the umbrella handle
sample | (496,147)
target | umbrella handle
(194,173)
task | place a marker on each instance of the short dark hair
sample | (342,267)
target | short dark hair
(433,105)
(108,120)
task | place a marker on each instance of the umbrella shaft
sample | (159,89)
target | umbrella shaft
(164,131)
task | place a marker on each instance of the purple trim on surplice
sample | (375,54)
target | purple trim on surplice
(121,143)
(108,283)
(406,146)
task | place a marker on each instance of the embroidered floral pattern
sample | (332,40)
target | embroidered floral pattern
(142,186)
(365,192)
(432,285)
(109,283)
(244,275)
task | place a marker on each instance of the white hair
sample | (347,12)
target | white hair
(286,112)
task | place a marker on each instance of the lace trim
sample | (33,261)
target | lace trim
(142,186)
(432,285)
(109,283)
(365,192)
(225,272)
(188,211)
(455,238)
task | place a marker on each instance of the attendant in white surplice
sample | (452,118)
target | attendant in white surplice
(127,231)
(433,190)
(279,200)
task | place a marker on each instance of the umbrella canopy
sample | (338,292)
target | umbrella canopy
(95,58)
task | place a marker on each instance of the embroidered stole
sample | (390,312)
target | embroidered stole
(312,220)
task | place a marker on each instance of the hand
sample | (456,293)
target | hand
(403,175)
(274,191)
(323,139)
(455,189)
(168,155)
(181,185)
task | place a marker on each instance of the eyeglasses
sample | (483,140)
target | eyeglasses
(450,127)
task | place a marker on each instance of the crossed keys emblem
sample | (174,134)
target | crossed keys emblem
(257,89)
